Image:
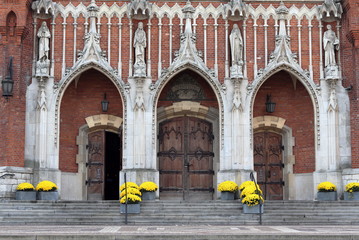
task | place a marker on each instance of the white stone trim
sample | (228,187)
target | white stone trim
(110,121)
(268,121)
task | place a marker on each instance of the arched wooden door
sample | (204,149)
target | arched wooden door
(268,164)
(186,159)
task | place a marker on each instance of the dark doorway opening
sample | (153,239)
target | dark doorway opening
(113,165)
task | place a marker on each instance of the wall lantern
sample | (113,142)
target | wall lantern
(8,84)
(104,103)
(270,106)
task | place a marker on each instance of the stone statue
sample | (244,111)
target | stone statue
(330,44)
(44,38)
(139,44)
(43,63)
(236,42)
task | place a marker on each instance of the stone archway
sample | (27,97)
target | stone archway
(188,105)
(81,103)
(294,104)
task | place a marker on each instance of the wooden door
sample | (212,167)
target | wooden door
(186,159)
(268,164)
(95,165)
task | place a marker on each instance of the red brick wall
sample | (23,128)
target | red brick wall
(79,102)
(296,107)
(12,112)
(350,56)
(165,41)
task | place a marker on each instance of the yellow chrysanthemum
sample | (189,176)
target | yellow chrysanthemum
(352,187)
(252,199)
(227,186)
(326,187)
(131,199)
(129,185)
(46,186)
(250,189)
(148,187)
(25,187)
(245,184)
(133,191)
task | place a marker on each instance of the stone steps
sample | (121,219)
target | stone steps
(178,212)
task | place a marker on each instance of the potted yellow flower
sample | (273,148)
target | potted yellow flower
(327,191)
(47,190)
(26,192)
(252,203)
(148,190)
(130,198)
(351,191)
(227,189)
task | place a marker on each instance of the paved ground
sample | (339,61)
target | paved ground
(26,230)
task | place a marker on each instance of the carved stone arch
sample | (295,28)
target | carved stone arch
(268,121)
(299,75)
(188,108)
(165,78)
(104,121)
(75,74)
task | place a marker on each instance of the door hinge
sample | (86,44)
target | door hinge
(282,147)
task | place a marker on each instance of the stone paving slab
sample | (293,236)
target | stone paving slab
(180,231)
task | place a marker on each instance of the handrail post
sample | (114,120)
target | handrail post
(126,199)
(259,195)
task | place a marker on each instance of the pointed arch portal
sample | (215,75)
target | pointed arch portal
(294,108)
(187,116)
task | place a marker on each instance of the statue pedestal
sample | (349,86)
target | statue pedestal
(331,72)
(237,71)
(42,68)
(139,70)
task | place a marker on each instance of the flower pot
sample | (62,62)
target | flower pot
(131,208)
(256,209)
(49,196)
(351,196)
(227,195)
(26,195)
(148,195)
(327,196)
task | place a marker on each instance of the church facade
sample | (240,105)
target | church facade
(184,94)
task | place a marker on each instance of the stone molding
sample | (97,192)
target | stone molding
(205,12)
(187,108)
(268,121)
(104,120)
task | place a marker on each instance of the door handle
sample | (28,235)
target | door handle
(187,165)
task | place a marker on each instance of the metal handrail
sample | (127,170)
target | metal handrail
(251,175)
(125,178)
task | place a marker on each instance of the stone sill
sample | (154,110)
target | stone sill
(9,169)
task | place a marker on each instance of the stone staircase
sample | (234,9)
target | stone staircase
(178,213)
